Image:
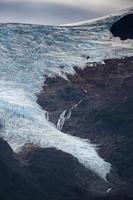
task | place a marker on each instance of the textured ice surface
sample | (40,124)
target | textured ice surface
(29,53)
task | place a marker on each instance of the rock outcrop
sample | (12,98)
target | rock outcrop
(104,114)
(123,28)
(38,174)
(100,98)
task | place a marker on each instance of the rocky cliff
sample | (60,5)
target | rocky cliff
(103,96)
(100,100)
(123,28)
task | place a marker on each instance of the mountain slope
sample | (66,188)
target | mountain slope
(123,27)
(42,174)
(104,112)
(80,88)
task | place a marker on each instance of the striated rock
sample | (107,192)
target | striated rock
(123,28)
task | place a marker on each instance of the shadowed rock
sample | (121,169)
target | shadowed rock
(104,115)
(38,174)
(123,28)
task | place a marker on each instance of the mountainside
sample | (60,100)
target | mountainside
(123,28)
(40,174)
(66,111)
(37,173)
(103,112)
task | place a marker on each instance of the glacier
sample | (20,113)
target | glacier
(30,53)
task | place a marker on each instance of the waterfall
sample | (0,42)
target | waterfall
(77,104)
(66,114)
(63,117)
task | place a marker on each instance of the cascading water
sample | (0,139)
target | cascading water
(63,117)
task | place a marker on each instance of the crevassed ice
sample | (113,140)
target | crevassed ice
(29,53)
(28,124)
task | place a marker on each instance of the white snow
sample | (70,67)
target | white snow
(29,53)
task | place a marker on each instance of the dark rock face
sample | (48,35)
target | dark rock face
(123,28)
(38,174)
(12,183)
(104,115)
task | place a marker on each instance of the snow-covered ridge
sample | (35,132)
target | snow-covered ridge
(29,53)
(109,19)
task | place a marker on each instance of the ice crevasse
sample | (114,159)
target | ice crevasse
(29,53)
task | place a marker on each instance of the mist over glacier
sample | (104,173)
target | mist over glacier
(30,53)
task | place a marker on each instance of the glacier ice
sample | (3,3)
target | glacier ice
(29,53)
(25,125)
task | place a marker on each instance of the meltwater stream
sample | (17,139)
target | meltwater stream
(29,53)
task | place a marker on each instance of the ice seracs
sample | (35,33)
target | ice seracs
(29,53)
